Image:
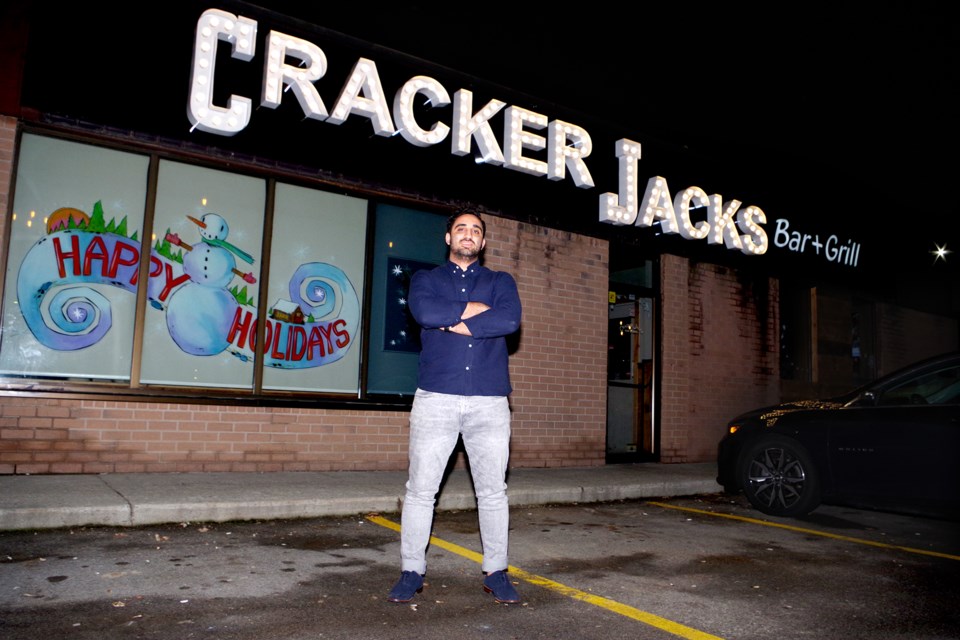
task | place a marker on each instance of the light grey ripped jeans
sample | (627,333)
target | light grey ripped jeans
(437,420)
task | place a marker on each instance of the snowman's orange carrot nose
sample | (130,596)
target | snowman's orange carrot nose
(200,223)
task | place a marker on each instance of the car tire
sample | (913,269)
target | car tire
(778,477)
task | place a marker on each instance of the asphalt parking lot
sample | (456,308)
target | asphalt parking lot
(704,567)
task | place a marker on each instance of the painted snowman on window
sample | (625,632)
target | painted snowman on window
(201,312)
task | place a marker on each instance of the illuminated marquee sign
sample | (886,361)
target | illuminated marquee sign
(567,145)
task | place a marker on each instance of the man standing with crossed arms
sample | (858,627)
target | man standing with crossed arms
(465,312)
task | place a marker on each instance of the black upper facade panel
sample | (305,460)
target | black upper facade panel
(106,71)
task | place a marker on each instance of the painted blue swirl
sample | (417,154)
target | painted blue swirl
(62,312)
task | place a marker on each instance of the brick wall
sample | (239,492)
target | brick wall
(74,436)
(8,132)
(559,399)
(719,353)
(892,336)
(719,358)
(559,373)
(907,335)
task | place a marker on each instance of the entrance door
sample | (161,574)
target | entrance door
(630,371)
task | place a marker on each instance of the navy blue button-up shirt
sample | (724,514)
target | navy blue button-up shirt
(473,365)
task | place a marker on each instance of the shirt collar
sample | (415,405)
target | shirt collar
(455,268)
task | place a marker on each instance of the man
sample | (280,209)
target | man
(465,312)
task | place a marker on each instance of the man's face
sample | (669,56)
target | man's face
(466,237)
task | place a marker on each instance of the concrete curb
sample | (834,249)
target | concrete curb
(137,499)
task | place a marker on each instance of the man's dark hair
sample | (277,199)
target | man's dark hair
(459,212)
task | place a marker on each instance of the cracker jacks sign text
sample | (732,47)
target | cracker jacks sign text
(567,145)
(692,213)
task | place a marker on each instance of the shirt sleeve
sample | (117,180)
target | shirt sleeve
(430,302)
(503,316)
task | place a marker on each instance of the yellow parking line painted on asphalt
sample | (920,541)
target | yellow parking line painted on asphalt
(835,536)
(663,624)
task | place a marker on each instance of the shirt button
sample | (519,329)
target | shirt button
(463,290)
(468,368)
(470,345)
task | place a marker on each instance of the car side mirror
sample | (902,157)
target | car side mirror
(865,399)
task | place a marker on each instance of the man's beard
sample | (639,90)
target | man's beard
(466,252)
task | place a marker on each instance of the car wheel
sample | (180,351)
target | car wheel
(778,477)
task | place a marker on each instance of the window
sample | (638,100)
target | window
(73,253)
(204,277)
(405,241)
(938,387)
(232,260)
(315,292)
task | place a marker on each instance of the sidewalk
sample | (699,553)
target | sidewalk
(134,499)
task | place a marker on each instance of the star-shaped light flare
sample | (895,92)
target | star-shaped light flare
(940,253)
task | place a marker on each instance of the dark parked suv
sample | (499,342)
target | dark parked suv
(892,444)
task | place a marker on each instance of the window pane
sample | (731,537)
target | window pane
(939,387)
(208,227)
(70,290)
(406,240)
(315,291)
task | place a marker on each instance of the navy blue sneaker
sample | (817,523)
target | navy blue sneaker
(499,585)
(409,585)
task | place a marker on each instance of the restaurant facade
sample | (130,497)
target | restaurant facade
(211,219)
